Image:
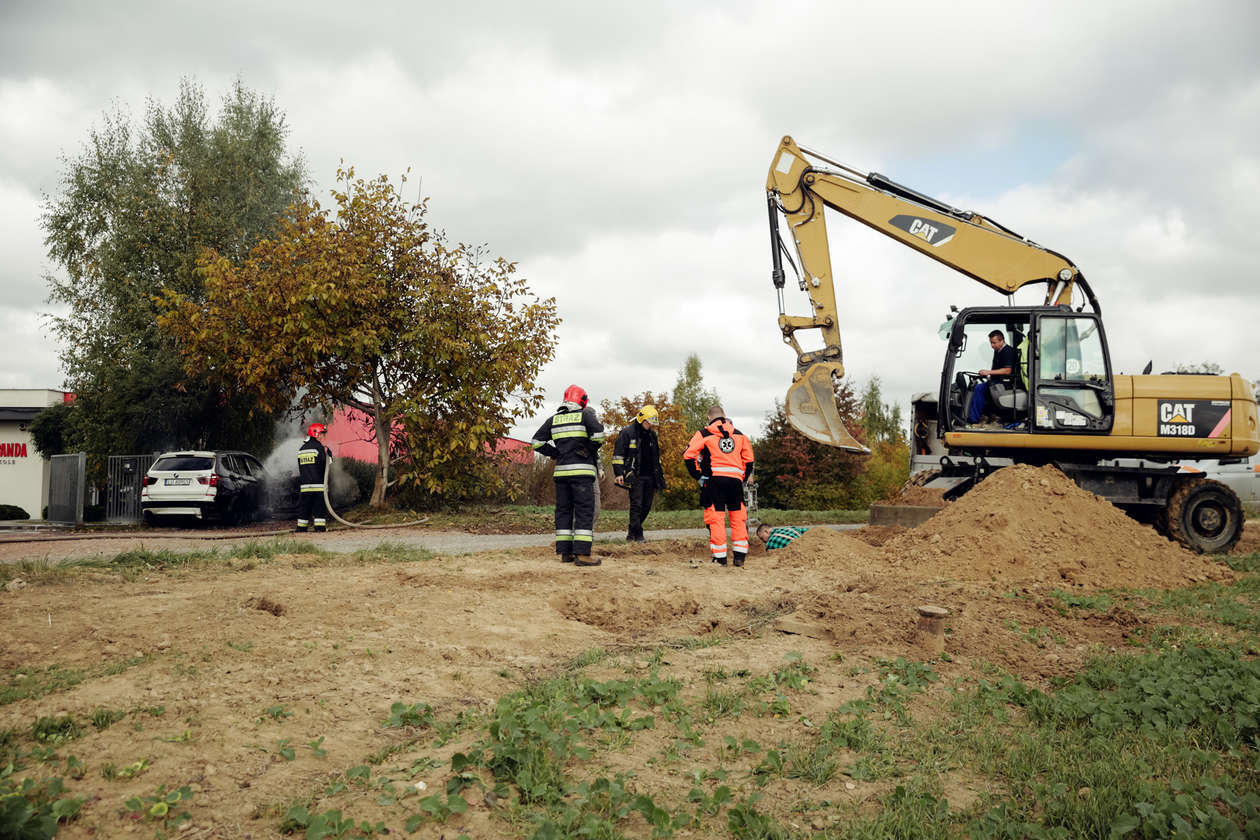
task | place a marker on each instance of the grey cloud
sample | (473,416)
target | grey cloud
(606,148)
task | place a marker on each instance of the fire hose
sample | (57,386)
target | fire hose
(328,505)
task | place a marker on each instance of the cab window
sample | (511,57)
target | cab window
(1071,350)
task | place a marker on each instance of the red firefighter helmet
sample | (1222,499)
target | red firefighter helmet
(574,394)
(316,429)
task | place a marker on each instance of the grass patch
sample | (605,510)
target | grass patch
(1235,605)
(1161,742)
(539,519)
(1243,562)
(137,563)
(23,683)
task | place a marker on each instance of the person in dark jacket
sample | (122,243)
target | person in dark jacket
(572,437)
(312,460)
(636,464)
(1005,361)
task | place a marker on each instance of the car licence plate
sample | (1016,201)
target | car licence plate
(176,481)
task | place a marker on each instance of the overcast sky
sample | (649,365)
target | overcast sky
(619,155)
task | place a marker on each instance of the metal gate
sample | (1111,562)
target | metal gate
(125,480)
(65,488)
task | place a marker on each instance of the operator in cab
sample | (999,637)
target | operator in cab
(1002,370)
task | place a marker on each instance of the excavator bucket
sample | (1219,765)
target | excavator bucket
(811,408)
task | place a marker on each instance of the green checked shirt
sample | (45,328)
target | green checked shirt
(782,536)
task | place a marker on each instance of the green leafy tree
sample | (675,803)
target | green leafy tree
(880,422)
(690,395)
(133,212)
(371,308)
(53,429)
(796,472)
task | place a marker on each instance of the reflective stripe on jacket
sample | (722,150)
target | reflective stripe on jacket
(719,449)
(312,458)
(572,437)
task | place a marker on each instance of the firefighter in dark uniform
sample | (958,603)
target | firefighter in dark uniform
(312,465)
(572,437)
(636,464)
(720,457)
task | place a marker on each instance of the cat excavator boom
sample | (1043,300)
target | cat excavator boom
(799,191)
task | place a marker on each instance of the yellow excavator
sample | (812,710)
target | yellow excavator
(1119,436)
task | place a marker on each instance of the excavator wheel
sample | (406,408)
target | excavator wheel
(1204,516)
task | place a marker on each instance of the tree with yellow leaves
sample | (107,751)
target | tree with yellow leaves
(373,309)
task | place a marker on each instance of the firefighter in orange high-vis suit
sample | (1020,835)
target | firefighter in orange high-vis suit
(721,459)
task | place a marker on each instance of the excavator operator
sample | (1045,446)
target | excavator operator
(1001,373)
(721,459)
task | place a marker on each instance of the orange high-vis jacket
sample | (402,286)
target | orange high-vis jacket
(720,449)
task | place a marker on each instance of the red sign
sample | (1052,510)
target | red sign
(12,450)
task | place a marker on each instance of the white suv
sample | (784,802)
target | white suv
(225,485)
(1243,477)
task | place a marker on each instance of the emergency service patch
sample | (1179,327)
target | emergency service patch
(727,445)
(1194,418)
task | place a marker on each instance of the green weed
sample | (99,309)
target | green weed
(161,807)
(34,809)
(103,719)
(720,702)
(278,712)
(416,715)
(56,730)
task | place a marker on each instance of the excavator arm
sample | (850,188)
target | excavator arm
(800,187)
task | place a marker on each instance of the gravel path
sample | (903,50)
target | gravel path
(53,546)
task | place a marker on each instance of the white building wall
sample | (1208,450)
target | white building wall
(23,472)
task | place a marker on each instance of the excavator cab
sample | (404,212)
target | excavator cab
(1061,384)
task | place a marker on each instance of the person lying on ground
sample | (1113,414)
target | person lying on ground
(779,537)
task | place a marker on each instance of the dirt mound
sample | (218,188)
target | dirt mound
(878,534)
(1250,542)
(1027,524)
(913,494)
(820,546)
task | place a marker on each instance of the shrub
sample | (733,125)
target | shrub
(13,512)
(527,483)
(363,476)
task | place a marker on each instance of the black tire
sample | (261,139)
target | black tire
(232,514)
(1204,516)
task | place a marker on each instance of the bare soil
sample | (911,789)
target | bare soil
(218,667)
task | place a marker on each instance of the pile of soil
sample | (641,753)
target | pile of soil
(1022,525)
(1024,530)
(913,494)
(821,546)
(1027,524)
